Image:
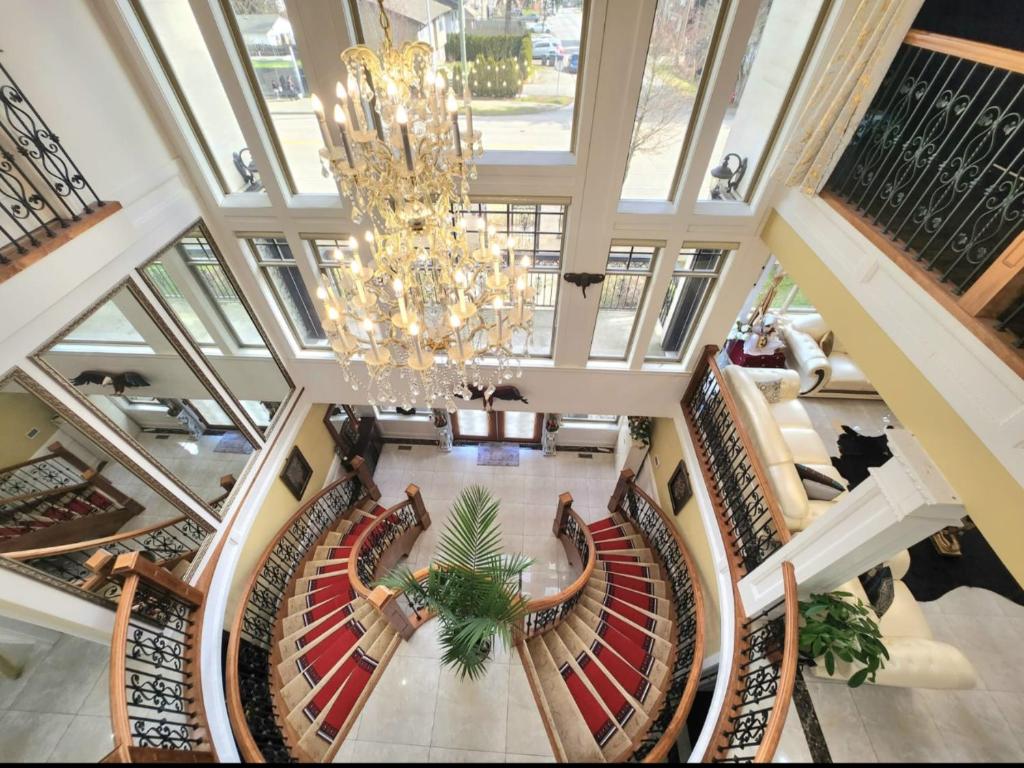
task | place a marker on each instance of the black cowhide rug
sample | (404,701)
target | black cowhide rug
(931,575)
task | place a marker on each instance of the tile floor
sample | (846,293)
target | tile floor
(422,712)
(883,724)
(828,414)
(57,711)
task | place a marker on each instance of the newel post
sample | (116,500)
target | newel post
(625,478)
(362,470)
(422,516)
(386,603)
(564,505)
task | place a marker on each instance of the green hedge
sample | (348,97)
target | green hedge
(493,47)
(489,78)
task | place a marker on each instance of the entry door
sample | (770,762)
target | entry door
(501,426)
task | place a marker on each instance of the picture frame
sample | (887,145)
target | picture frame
(679,488)
(296,473)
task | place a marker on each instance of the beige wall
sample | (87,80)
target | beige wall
(992,497)
(19,413)
(666,447)
(316,445)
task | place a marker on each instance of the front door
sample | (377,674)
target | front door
(501,426)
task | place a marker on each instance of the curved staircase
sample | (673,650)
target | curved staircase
(612,660)
(614,667)
(335,643)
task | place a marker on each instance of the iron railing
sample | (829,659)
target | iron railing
(545,613)
(156,706)
(48,490)
(678,569)
(935,164)
(761,681)
(748,514)
(248,668)
(42,190)
(166,544)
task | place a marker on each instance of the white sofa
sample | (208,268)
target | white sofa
(821,375)
(783,436)
(916,658)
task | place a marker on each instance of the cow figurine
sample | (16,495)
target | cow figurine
(503,392)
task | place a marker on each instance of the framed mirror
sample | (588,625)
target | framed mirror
(70,502)
(192,281)
(120,360)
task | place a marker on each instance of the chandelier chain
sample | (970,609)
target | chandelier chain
(385,23)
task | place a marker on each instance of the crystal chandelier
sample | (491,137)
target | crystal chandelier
(445,303)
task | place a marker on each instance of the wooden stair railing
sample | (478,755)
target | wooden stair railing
(931,178)
(58,499)
(687,603)
(378,548)
(544,613)
(763,665)
(248,667)
(156,702)
(749,515)
(167,544)
(762,676)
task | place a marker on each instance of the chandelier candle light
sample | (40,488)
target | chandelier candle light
(437,309)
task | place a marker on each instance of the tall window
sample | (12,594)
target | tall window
(589,418)
(332,254)
(538,230)
(788,297)
(523,70)
(174,35)
(776,51)
(277,264)
(267,44)
(693,279)
(194,284)
(683,43)
(622,294)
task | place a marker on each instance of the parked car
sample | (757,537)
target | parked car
(547,49)
(537,26)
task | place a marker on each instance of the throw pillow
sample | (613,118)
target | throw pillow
(772,390)
(878,586)
(827,342)
(818,485)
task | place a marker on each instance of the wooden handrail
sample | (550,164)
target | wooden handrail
(659,752)
(770,499)
(133,569)
(36,460)
(364,590)
(739,664)
(59,490)
(983,53)
(247,746)
(788,671)
(580,583)
(29,554)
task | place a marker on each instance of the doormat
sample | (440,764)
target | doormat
(233,442)
(497,455)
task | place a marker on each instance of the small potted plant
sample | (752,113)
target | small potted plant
(640,430)
(835,627)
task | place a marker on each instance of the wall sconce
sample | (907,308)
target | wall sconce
(726,178)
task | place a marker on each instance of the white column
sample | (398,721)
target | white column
(904,501)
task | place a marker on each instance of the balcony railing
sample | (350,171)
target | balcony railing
(45,198)
(933,177)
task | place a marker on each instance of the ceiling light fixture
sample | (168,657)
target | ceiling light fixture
(441,306)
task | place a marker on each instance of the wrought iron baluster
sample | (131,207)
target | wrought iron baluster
(34,140)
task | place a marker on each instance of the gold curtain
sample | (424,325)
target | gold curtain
(835,107)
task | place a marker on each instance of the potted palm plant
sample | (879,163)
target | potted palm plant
(471,585)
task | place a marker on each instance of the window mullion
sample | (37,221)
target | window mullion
(658,284)
(231,71)
(724,72)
